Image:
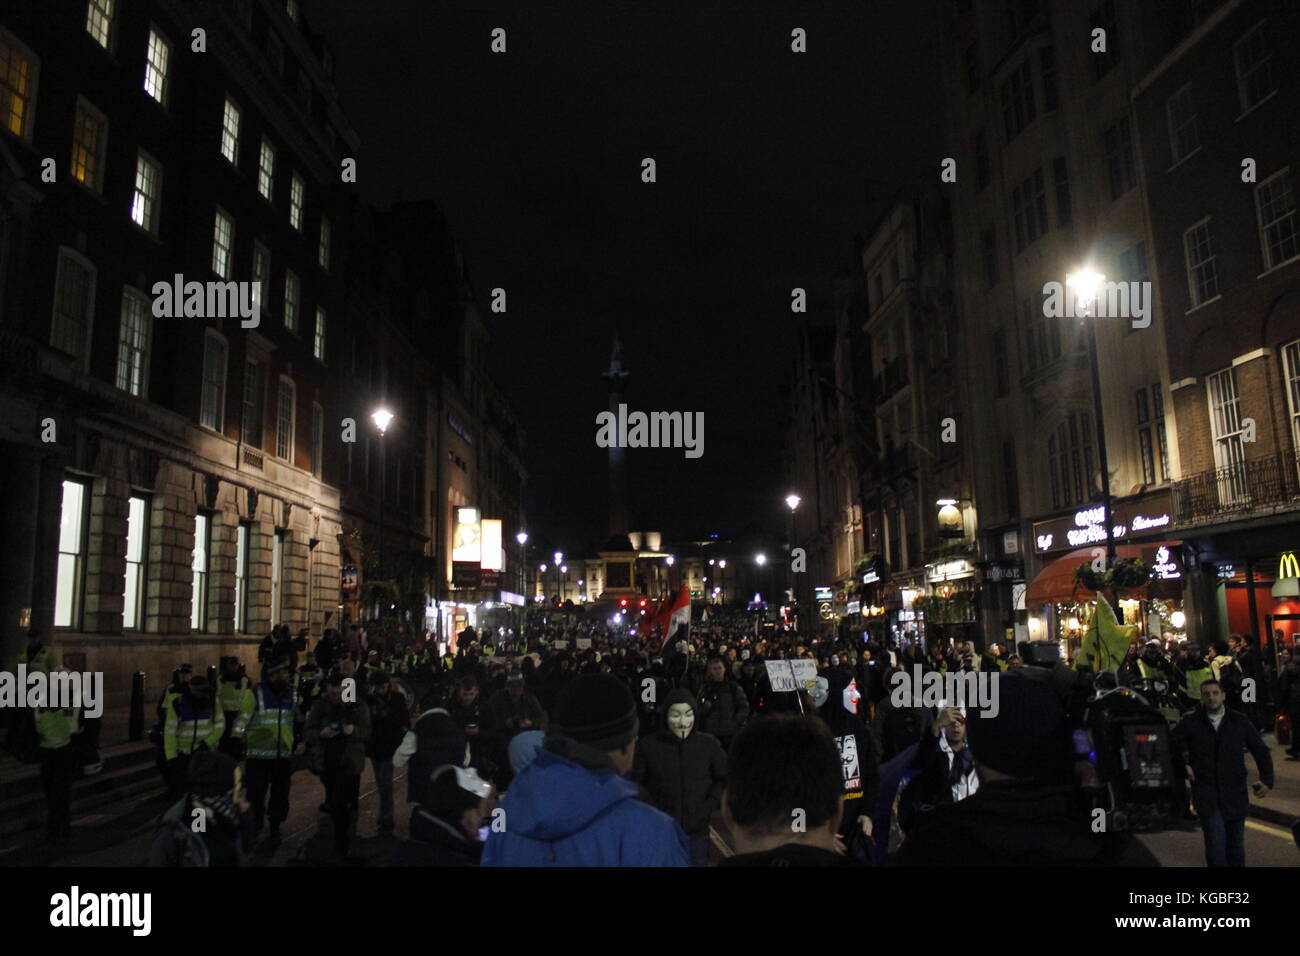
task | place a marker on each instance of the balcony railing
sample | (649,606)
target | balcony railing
(1236,489)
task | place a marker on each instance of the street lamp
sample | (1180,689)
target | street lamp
(382,418)
(792,502)
(522,538)
(1085,284)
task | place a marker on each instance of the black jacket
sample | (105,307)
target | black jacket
(791,854)
(683,778)
(1218,760)
(435,842)
(389,720)
(1014,823)
(723,708)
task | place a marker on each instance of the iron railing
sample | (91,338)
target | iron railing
(1236,489)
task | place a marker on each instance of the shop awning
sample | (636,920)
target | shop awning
(1056,583)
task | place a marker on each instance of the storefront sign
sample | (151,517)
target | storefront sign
(1166,565)
(493,553)
(466,544)
(854,607)
(465,574)
(950,569)
(1087,526)
(823,594)
(871,577)
(1288,566)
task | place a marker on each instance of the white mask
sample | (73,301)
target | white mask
(681,719)
(851,697)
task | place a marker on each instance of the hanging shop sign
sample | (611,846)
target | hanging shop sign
(1166,565)
(1152,514)
(824,594)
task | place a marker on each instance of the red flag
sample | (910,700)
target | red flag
(678,621)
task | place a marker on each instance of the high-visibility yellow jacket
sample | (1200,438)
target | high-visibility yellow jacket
(46,659)
(188,725)
(270,729)
(56,725)
(236,696)
(1193,679)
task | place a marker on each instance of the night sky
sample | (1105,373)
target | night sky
(768,163)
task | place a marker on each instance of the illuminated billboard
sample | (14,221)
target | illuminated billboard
(467,543)
(490,534)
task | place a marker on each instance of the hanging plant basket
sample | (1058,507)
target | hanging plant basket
(1125,574)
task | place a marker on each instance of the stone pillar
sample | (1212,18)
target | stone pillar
(261,542)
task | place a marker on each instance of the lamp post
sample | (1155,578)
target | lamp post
(1085,284)
(522,538)
(792,502)
(382,418)
(559,557)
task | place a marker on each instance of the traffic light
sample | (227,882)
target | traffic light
(622,602)
(643,602)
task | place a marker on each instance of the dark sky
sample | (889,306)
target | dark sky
(768,163)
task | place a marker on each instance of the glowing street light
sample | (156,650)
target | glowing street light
(1085,284)
(670,560)
(792,501)
(522,538)
(760,559)
(382,417)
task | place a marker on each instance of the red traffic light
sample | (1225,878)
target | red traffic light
(643,602)
(622,602)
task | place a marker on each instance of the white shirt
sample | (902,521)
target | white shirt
(1216,719)
(969,783)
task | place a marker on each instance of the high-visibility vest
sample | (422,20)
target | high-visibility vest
(1149,671)
(187,727)
(56,725)
(308,683)
(1194,679)
(270,729)
(45,659)
(236,695)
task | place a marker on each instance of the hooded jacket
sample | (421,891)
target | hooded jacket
(570,807)
(683,778)
(436,842)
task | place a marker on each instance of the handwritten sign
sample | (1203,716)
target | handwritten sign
(791,675)
(583,643)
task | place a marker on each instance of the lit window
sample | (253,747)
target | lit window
(277,576)
(199,587)
(266,169)
(1226,431)
(212,413)
(148,188)
(295,202)
(230,132)
(318,340)
(324,248)
(137,521)
(72,554)
(74,288)
(99,21)
(241,576)
(156,59)
(133,344)
(223,243)
(292,296)
(285,421)
(17,79)
(89,137)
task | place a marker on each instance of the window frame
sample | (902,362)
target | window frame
(228,106)
(149,67)
(1190,268)
(217,219)
(219,402)
(243,558)
(108,10)
(1242,78)
(143,302)
(281,440)
(101,145)
(1282,174)
(77,259)
(151,223)
(319,337)
(1177,125)
(135,602)
(199,582)
(292,303)
(297,201)
(24,52)
(79,557)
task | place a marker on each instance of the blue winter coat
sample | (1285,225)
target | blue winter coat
(559,813)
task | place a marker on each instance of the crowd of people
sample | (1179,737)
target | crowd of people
(578,744)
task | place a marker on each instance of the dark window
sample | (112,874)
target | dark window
(254,396)
(1012,485)
(1158,416)
(982,174)
(1001,378)
(1017,94)
(1047,64)
(989,245)
(1117,146)
(1061,180)
(972,68)
(1029,210)
(1103,17)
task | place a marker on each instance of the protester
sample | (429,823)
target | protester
(784,798)
(1212,742)
(944,769)
(572,806)
(435,740)
(684,771)
(226,835)
(446,830)
(337,731)
(389,720)
(1027,810)
(723,706)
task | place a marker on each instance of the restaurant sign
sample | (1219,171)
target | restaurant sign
(1087,526)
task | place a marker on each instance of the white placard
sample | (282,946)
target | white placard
(791,675)
(582,643)
(560,645)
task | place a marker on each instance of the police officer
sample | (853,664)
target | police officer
(192,723)
(235,697)
(270,740)
(56,727)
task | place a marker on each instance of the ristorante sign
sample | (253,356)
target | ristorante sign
(1129,518)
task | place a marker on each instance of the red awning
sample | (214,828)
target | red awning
(1056,583)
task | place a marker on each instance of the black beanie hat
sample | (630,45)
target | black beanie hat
(211,773)
(597,710)
(1028,738)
